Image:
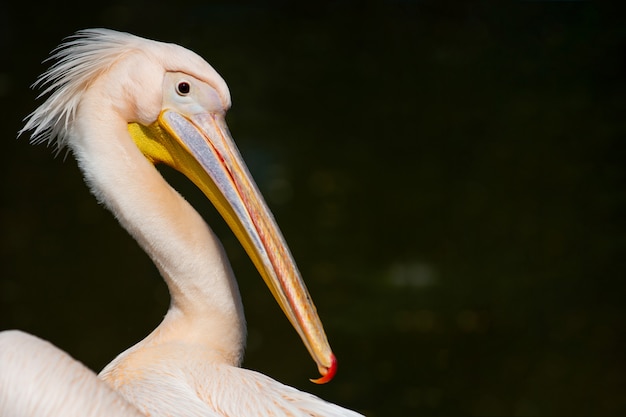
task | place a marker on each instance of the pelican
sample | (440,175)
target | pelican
(122,104)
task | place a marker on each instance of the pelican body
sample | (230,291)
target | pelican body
(122,104)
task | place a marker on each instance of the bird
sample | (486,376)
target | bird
(121,104)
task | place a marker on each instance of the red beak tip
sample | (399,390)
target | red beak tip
(327,373)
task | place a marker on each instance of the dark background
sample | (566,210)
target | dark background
(449,176)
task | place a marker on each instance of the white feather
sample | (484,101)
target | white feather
(38,379)
(79,61)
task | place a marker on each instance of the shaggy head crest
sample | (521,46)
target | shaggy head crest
(79,60)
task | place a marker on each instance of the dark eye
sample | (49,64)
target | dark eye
(183,88)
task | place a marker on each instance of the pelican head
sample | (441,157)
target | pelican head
(113,97)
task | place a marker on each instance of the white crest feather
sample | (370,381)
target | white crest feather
(79,60)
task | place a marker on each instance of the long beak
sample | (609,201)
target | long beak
(200,146)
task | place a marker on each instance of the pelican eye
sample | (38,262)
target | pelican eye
(183,88)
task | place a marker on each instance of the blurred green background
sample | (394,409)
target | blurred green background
(449,176)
